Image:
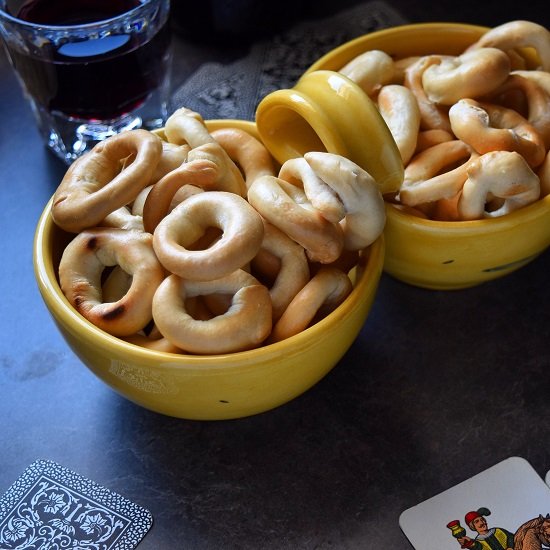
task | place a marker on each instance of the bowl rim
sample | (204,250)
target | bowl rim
(405,28)
(364,287)
(517,217)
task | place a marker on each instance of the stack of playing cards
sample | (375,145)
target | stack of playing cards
(50,507)
(506,507)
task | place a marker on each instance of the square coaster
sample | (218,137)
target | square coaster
(50,507)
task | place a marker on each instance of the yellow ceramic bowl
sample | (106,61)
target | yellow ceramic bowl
(447,255)
(207,387)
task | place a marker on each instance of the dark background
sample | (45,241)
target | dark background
(438,386)
(248,19)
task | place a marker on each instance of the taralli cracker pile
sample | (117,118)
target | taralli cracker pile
(198,244)
(473,129)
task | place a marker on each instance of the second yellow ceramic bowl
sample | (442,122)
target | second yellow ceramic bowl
(207,387)
(447,255)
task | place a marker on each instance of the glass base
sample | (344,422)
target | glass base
(73,138)
(69,138)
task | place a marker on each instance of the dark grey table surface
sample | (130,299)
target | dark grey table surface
(437,387)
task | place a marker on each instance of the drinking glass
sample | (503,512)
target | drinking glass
(90,68)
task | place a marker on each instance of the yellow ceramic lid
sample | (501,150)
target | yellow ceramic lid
(326,111)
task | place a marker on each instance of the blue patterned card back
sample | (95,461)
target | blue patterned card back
(50,507)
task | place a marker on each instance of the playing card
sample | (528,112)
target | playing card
(51,507)
(506,505)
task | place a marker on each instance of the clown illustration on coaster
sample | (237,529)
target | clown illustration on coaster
(506,507)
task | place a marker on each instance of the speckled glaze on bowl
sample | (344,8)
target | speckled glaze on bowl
(447,255)
(207,387)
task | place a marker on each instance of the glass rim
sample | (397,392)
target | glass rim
(82,26)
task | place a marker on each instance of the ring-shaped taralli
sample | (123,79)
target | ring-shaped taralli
(428,177)
(228,176)
(180,195)
(81,267)
(518,34)
(346,262)
(94,185)
(517,61)
(399,109)
(324,292)
(242,233)
(287,207)
(370,70)
(487,127)
(247,152)
(158,344)
(470,75)
(543,173)
(199,173)
(183,193)
(537,100)
(208,167)
(123,218)
(499,174)
(265,266)
(542,78)
(429,138)
(365,214)
(172,157)
(139,202)
(293,272)
(298,172)
(446,209)
(185,126)
(245,325)
(431,115)
(401,65)
(434,159)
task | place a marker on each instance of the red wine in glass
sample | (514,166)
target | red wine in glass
(92,79)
